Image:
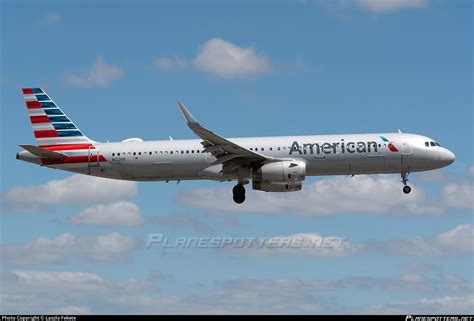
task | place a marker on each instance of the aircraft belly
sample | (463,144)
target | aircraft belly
(357,164)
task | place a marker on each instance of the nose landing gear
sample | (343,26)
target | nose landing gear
(239,193)
(406,188)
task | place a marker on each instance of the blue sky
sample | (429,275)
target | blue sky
(307,67)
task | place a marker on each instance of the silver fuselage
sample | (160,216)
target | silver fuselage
(352,154)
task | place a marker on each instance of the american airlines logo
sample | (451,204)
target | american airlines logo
(340,147)
(391,146)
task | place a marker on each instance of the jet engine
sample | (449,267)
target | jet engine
(282,176)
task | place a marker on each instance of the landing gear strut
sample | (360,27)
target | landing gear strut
(239,193)
(406,188)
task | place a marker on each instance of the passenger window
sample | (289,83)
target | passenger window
(263,149)
(182,152)
(197,151)
(187,152)
(192,151)
(139,153)
(171,152)
(134,153)
(271,148)
(113,154)
(278,148)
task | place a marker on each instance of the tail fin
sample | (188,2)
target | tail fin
(50,125)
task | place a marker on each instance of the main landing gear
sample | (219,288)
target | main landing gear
(406,188)
(239,193)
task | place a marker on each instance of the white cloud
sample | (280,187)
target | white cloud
(457,241)
(120,213)
(442,305)
(37,291)
(165,63)
(43,251)
(76,189)
(49,19)
(328,196)
(33,292)
(302,244)
(227,60)
(382,6)
(72,310)
(459,195)
(101,74)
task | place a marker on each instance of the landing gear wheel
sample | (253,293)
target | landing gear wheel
(239,193)
(238,189)
(406,188)
(239,198)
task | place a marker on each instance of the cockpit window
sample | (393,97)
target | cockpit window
(437,144)
(432,144)
(427,144)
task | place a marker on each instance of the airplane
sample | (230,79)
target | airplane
(273,164)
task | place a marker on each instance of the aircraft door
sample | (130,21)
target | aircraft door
(407,152)
(406,149)
(93,158)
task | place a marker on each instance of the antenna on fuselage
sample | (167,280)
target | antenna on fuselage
(399,131)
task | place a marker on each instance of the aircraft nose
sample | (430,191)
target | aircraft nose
(446,157)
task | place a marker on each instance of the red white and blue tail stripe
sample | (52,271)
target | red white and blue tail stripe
(55,132)
(50,125)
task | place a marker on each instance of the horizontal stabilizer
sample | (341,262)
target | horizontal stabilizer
(43,153)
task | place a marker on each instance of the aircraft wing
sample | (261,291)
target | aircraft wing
(227,153)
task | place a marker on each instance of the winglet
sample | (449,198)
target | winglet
(187,115)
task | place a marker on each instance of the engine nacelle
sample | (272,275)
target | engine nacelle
(281,172)
(276,186)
